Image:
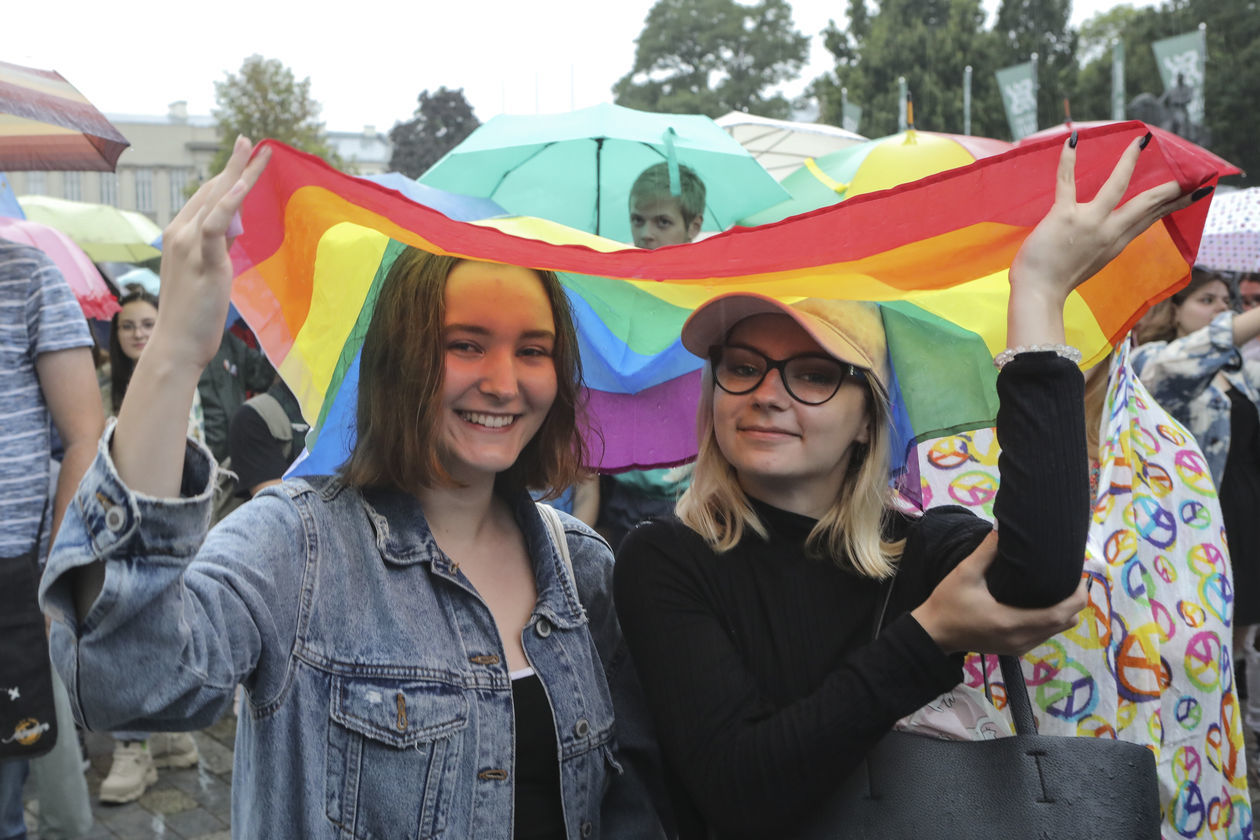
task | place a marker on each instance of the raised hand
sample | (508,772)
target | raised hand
(149,442)
(196,270)
(1075,240)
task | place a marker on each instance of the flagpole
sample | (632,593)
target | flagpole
(901,103)
(967,99)
(1036,90)
(1203,85)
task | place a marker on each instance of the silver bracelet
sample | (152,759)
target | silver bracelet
(1067,351)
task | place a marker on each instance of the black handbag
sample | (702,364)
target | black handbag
(28,721)
(1033,786)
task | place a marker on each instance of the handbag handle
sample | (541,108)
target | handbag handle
(1012,674)
(1017,695)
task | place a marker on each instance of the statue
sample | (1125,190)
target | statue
(1170,111)
(1176,100)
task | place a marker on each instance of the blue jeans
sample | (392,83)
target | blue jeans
(12,777)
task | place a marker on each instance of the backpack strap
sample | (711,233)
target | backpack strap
(272,413)
(555,528)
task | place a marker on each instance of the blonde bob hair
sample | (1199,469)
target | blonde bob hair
(851,532)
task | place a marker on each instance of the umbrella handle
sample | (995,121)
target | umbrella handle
(671,161)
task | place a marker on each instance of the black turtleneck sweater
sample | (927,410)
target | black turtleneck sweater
(758,664)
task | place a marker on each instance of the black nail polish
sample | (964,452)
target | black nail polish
(1145,140)
(1072,140)
(1201,192)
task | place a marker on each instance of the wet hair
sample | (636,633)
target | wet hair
(850,533)
(653,183)
(401,374)
(1160,323)
(120,365)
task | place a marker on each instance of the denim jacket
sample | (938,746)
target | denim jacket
(379,701)
(1181,376)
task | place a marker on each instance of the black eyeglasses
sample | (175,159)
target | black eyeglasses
(810,378)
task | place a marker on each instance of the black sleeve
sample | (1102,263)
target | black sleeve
(749,767)
(256,455)
(1043,505)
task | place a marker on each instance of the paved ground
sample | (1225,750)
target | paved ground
(192,804)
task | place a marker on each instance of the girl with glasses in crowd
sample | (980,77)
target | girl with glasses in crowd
(750,615)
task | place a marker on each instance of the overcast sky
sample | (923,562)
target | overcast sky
(367,59)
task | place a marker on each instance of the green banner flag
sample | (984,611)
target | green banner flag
(1181,61)
(1019,94)
(851,118)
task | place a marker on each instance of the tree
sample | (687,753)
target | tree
(930,42)
(441,122)
(714,56)
(265,100)
(1233,70)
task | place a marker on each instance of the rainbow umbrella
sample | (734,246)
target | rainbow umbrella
(105,233)
(89,287)
(875,165)
(317,244)
(46,124)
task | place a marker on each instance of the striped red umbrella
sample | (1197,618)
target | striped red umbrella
(46,124)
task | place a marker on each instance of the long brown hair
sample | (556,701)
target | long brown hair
(1160,323)
(120,365)
(401,374)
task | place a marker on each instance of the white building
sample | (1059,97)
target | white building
(167,154)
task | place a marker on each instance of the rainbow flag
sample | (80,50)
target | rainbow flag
(317,244)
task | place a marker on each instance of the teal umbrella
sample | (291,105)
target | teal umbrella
(577,168)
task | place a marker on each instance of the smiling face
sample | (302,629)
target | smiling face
(658,221)
(1202,305)
(135,326)
(786,453)
(500,378)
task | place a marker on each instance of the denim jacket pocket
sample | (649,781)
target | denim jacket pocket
(393,752)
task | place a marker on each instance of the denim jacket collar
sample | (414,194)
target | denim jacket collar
(403,539)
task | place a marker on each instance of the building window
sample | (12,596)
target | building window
(36,183)
(109,188)
(144,190)
(179,182)
(74,186)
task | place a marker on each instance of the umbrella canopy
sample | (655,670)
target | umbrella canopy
(875,165)
(9,206)
(105,233)
(577,168)
(85,281)
(783,146)
(146,278)
(46,124)
(461,208)
(310,262)
(1231,235)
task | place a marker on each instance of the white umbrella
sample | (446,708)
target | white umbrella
(1231,234)
(783,146)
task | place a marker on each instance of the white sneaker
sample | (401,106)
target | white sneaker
(173,749)
(131,773)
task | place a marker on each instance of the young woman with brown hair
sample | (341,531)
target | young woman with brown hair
(422,654)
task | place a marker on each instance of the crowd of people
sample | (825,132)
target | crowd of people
(420,645)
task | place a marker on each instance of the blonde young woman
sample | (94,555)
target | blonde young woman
(750,615)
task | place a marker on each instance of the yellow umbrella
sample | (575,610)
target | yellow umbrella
(106,234)
(875,165)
